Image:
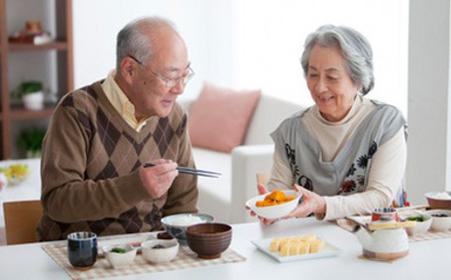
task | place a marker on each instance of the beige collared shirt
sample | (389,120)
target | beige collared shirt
(121,102)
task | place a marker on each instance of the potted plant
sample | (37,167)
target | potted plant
(32,95)
(30,140)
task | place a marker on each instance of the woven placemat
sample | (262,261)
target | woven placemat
(429,235)
(185,259)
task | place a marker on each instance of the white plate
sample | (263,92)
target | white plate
(329,250)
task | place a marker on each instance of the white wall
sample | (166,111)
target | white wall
(96,23)
(429,154)
(252,43)
(271,34)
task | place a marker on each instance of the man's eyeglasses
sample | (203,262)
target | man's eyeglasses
(169,82)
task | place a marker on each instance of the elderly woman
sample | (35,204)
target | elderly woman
(346,154)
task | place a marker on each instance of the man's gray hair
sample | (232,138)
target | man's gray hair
(132,40)
(355,49)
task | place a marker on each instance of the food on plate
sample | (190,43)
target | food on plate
(439,215)
(275,197)
(164,235)
(118,250)
(296,245)
(419,218)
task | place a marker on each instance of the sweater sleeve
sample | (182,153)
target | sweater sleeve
(384,180)
(183,194)
(67,197)
(281,175)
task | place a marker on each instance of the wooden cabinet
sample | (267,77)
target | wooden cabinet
(60,50)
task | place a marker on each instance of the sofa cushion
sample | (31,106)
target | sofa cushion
(219,118)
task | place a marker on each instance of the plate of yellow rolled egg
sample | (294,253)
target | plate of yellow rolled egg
(294,248)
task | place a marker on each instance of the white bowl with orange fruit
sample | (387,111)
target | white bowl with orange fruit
(275,204)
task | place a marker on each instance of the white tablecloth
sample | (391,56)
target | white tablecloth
(426,259)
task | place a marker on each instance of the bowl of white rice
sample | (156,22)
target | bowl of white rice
(439,200)
(177,224)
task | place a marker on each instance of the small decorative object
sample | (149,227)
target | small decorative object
(32,34)
(30,141)
(14,174)
(32,95)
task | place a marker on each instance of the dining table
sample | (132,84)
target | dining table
(427,259)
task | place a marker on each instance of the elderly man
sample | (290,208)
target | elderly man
(100,136)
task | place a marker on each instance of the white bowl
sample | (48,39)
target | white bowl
(440,223)
(276,211)
(159,255)
(118,260)
(177,224)
(420,227)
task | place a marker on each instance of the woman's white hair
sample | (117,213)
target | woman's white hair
(355,49)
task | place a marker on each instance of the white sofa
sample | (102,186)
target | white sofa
(224,198)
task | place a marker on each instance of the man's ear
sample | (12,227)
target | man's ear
(128,69)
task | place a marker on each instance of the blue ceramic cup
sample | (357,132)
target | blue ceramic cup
(82,249)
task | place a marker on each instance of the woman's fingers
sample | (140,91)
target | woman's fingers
(311,203)
(261,189)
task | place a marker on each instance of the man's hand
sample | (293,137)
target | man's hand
(311,203)
(157,179)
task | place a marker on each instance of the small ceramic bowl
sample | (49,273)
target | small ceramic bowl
(177,224)
(441,219)
(120,255)
(438,200)
(209,240)
(423,223)
(159,250)
(276,211)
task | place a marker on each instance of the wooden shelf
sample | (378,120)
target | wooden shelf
(58,45)
(13,116)
(18,112)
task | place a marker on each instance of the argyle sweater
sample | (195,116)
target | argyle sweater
(89,168)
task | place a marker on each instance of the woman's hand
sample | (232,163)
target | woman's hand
(262,190)
(311,203)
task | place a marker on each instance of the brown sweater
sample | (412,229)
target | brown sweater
(90,180)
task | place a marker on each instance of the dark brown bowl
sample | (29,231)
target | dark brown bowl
(209,240)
